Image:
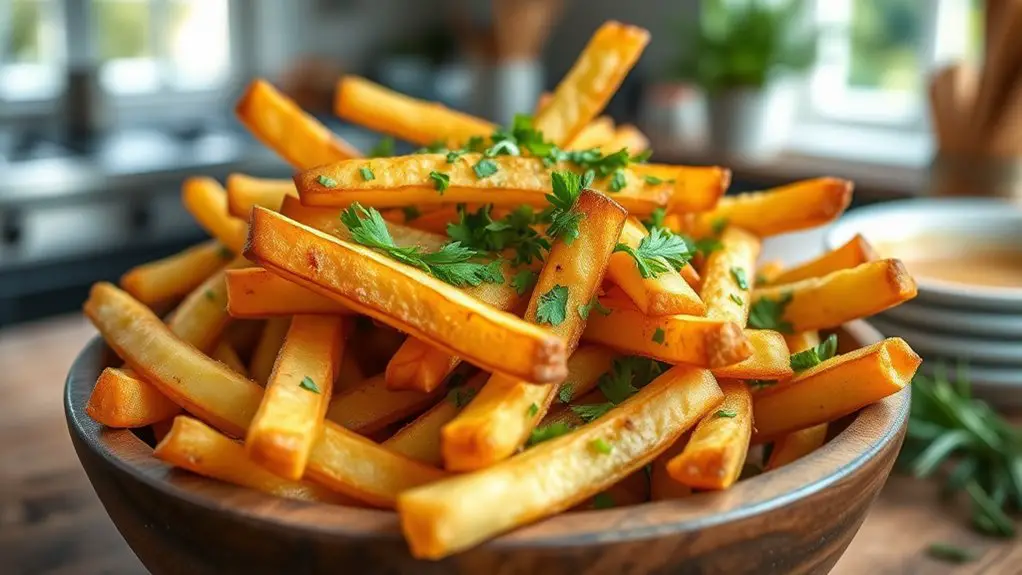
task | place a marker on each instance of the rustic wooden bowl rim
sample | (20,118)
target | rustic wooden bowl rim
(872,430)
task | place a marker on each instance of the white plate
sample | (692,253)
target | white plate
(987,220)
(966,323)
(931,345)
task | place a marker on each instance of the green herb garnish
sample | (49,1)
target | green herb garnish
(441,181)
(767,313)
(718,225)
(738,274)
(655,181)
(411,213)
(523,281)
(658,336)
(548,432)
(736,299)
(567,186)
(514,231)
(461,396)
(210,295)
(383,149)
(326,181)
(552,306)
(951,553)
(618,181)
(642,157)
(308,384)
(453,155)
(367,173)
(656,219)
(485,168)
(594,304)
(815,355)
(726,413)
(658,253)
(757,384)
(533,410)
(591,411)
(600,445)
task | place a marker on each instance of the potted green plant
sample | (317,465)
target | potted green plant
(743,53)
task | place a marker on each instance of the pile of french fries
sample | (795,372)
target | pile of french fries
(330,344)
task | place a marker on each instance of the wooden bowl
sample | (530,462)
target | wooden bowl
(798,518)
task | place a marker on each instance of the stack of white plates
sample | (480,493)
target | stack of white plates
(969,309)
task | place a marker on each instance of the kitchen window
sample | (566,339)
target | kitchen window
(31,49)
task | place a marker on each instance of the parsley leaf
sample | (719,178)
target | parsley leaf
(951,553)
(626,376)
(552,306)
(461,396)
(453,155)
(308,384)
(736,299)
(739,276)
(565,393)
(533,410)
(642,157)
(485,168)
(567,186)
(326,181)
(523,281)
(367,173)
(618,181)
(210,295)
(726,413)
(441,181)
(600,445)
(718,226)
(452,263)
(655,181)
(656,220)
(659,252)
(658,336)
(514,231)
(548,432)
(603,500)
(505,147)
(766,313)
(383,149)
(815,355)
(585,309)
(587,179)
(592,411)
(411,213)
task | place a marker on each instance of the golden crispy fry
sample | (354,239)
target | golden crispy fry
(418,366)
(768,272)
(193,445)
(594,135)
(556,474)
(206,200)
(729,275)
(674,338)
(256,293)
(201,317)
(265,353)
(360,101)
(243,192)
(834,388)
(693,188)
(629,137)
(299,389)
(842,296)
(370,406)
(420,439)
(585,367)
(666,294)
(328,220)
(279,123)
(500,418)
(715,454)
(175,276)
(226,354)
(798,206)
(341,460)
(405,181)
(585,90)
(661,485)
(406,298)
(802,340)
(121,399)
(857,251)
(796,445)
(770,358)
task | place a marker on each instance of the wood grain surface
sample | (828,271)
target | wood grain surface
(52,522)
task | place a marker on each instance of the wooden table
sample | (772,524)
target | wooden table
(52,522)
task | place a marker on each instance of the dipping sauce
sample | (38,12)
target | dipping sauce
(951,260)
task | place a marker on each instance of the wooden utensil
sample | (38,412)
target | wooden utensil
(1003,64)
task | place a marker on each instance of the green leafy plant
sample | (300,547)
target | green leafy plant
(746,43)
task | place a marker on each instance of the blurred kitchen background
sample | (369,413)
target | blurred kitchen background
(106,105)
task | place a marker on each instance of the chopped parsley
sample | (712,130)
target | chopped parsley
(726,413)
(767,313)
(453,263)
(552,306)
(642,157)
(658,336)
(461,396)
(308,384)
(411,213)
(523,281)
(565,393)
(441,181)
(656,219)
(479,231)
(815,355)
(626,376)
(383,149)
(210,295)
(740,278)
(603,500)
(453,155)
(951,553)
(618,181)
(718,225)
(533,410)
(326,181)
(600,445)
(548,432)
(705,246)
(658,253)
(737,300)
(567,186)
(594,304)
(655,181)
(485,168)
(591,411)
(367,173)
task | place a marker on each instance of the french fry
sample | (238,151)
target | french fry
(796,445)
(285,128)
(327,220)
(693,188)
(405,181)
(370,406)
(596,75)
(594,135)
(120,399)
(802,340)
(629,137)
(666,294)
(225,354)
(367,104)
(715,454)
(445,517)
(673,338)
(420,438)
(834,388)
(256,293)
(857,251)
(405,298)
(498,421)
(769,271)
(193,445)
(244,192)
(264,355)
(729,275)
(798,206)
(201,317)
(661,485)
(297,395)
(206,200)
(175,276)
(770,358)
(341,460)
(842,296)
(585,367)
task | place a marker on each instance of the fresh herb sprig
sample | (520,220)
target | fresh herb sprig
(658,253)
(515,231)
(453,263)
(815,355)
(564,221)
(626,377)
(767,313)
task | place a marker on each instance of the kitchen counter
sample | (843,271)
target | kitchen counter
(52,522)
